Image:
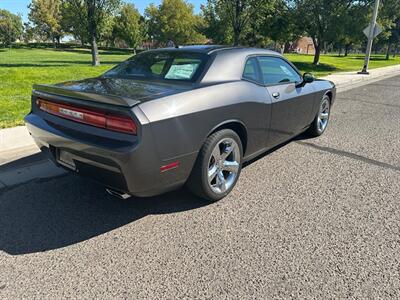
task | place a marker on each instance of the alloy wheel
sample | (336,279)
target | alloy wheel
(323,116)
(223,165)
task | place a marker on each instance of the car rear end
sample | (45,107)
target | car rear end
(95,126)
(108,140)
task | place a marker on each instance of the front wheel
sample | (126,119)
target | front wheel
(321,120)
(218,166)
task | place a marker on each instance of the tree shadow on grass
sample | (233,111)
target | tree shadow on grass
(309,67)
(54,63)
(38,65)
(101,52)
(89,63)
(373,58)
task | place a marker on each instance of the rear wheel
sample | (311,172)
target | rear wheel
(321,120)
(218,166)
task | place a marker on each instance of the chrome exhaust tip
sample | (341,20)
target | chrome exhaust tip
(117,194)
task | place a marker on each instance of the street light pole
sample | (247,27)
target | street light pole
(370,38)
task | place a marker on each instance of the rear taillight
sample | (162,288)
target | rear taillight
(95,118)
(122,124)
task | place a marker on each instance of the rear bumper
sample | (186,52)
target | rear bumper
(132,168)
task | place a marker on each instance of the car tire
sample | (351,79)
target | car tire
(321,120)
(217,167)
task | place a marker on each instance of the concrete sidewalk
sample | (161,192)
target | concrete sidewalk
(348,80)
(16,143)
(21,160)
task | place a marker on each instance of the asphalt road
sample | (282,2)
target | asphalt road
(316,218)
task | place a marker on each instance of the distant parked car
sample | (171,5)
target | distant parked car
(170,117)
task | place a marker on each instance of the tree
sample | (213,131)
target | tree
(319,19)
(389,19)
(129,27)
(10,27)
(240,16)
(174,20)
(395,38)
(348,32)
(246,14)
(245,22)
(215,27)
(74,20)
(107,33)
(279,26)
(96,15)
(46,16)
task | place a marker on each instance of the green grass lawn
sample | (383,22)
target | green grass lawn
(21,68)
(332,63)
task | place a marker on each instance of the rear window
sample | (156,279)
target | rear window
(251,70)
(161,66)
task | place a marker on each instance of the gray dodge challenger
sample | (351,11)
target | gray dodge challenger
(171,117)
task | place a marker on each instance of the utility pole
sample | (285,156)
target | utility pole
(371,37)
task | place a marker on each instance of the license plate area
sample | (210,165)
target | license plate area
(65,159)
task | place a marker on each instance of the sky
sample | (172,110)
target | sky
(21,6)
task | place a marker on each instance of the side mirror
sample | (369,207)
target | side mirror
(308,78)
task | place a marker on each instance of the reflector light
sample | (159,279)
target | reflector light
(98,119)
(170,166)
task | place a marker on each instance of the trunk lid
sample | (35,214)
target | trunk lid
(115,91)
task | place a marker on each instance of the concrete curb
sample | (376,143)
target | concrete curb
(349,80)
(16,143)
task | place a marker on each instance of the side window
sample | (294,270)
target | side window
(251,70)
(275,70)
(158,67)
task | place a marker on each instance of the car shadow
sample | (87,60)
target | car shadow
(49,214)
(302,136)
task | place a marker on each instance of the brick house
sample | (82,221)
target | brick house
(303,45)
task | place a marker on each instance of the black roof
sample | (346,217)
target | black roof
(208,49)
(197,48)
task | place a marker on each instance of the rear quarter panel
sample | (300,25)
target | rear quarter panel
(181,123)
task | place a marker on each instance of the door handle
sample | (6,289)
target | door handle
(276,95)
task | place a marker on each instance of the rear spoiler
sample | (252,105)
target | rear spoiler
(45,89)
